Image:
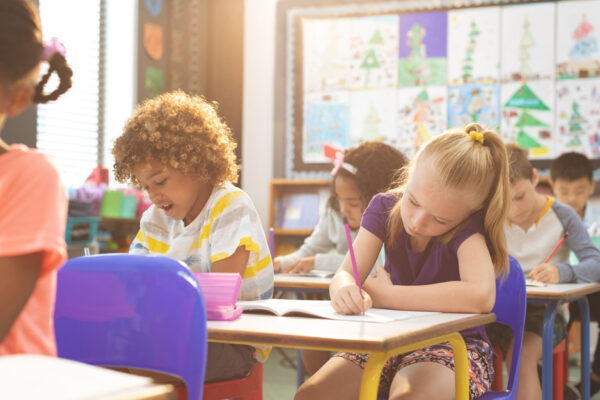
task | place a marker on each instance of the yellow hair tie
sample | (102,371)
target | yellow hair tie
(477,136)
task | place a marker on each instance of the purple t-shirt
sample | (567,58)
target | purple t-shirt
(437,263)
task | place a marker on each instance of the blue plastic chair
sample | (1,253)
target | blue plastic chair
(510,310)
(133,311)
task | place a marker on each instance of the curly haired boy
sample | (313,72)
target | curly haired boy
(177,148)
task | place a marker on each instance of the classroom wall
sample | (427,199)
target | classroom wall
(258,119)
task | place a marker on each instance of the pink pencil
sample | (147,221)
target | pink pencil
(354,267)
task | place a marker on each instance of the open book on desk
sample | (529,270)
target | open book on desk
(323,309)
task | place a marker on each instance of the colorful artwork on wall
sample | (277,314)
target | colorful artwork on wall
(374,52)
(422,49)
(406,77)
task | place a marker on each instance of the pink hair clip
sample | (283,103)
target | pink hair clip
(52,46)
(338,162)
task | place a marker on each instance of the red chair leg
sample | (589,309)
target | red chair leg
(247,388)
(498,383)
(558,370)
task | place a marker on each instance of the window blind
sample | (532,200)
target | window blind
(69,129)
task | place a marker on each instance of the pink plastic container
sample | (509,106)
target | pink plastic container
(220,292)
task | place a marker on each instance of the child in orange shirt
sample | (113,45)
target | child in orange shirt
(34,203)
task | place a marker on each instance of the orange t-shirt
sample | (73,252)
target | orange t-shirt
(33,215)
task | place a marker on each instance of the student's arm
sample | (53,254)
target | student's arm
(475,292)
(18,277)
(588,269)
(318,242)
(345,296)
(235,263)
(139,245)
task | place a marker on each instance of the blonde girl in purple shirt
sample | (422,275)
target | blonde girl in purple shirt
(444,245)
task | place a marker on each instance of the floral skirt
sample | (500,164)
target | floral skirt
(479,353)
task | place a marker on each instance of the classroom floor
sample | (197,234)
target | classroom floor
(279,381)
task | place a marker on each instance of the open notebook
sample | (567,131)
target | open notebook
(323,309)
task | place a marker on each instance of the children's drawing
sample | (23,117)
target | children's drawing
(372,116)
(578,54)
(527,117)
(578,115)
(473,46)
(422,49)
(527,53)
(325,122)
(326,54)
(474,103)
(374,54)
(421,116)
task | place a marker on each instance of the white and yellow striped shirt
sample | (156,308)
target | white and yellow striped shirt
(227,221)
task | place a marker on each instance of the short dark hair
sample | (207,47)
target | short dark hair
(571,166)
(519,166)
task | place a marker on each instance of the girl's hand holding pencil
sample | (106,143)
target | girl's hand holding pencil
(349,300)
(345,300)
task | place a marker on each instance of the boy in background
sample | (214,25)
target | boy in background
(535,225)
(573,183)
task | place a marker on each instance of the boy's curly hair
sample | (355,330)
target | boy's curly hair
(378,167)
(181,131)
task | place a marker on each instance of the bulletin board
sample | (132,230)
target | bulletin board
(153,40)
(403,72)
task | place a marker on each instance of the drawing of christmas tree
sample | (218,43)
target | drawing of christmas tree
(328,70)
(376,38)
(416,58)
(370,131)
(370,61)
(468,61)
(525,99)
(421,108)
(585,45)
(575,128)
(524,45)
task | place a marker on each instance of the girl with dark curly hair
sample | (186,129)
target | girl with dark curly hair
(365,171)
(360,173)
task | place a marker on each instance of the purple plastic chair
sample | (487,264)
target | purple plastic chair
(510,310)
(133,311)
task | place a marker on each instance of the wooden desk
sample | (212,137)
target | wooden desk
(291,282)
(29,376)
(382,341)
(552,296)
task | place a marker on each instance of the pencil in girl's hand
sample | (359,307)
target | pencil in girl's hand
(562,239)
(351,249)
(272,242)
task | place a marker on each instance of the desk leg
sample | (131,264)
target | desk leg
(299,369)
(584,312)
(370,379)
(547,335)
(461,366)
(372,373)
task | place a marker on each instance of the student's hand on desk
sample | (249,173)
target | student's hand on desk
(378,282)
(276,266)
(301,266)
(547,273)
(347,300)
